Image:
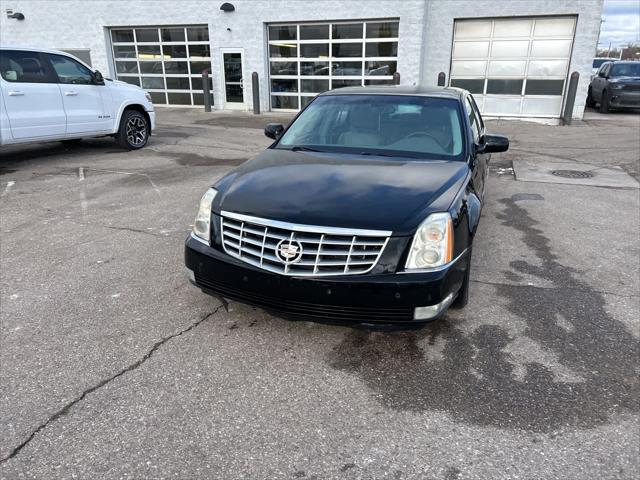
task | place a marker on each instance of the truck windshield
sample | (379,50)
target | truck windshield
(388,125)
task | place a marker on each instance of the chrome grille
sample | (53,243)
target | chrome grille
(319,251)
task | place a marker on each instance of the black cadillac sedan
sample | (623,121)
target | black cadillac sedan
(363,209)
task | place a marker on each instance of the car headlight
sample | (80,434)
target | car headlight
(432,244)
(615,86)
(202,223)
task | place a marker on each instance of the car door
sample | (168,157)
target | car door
(85,101)
(479,164)
(32,99)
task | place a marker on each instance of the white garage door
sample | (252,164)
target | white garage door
(515,66)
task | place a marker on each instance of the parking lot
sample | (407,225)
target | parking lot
(114,366)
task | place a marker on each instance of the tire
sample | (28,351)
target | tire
(133,133)
(590,103)
(604,102)
(463,294)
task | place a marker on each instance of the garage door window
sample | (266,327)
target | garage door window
(166,61)
(308,59)
(514,67)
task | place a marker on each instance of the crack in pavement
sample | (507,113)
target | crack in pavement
(66,408)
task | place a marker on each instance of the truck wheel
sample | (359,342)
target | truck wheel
(604,102)
(463,294)
(133,133)
(590,102)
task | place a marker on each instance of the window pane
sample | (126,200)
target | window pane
(173,34)
(382,30)
(179,98)
(196,83)
(278,101)
(314,68)
(345,83)
(314,50)
(147,35)
(149,52)
(347,50)
(284,68)
(198,99)
(504,87)
(181,83)
(198,34)
(199,51)
(286,50)
(551,48)
(347,68)
(128,51)
(132,80)
(378,82)
(158,97)
(382,67)
(70,71)
(315,86)
(151,67)
(282,85)
(314,32)
(122,36)
(382,49)
(126,67)
(175,67)
(174,51)
(283,33)
(305,101)
(509,48)
(349,30)
(474,85)
(198,67)
(152,82)
(507,68)
(544,87)
(24,67)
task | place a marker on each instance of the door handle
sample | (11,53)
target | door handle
(71,93)
(16,94)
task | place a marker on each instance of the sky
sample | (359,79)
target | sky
(621,23)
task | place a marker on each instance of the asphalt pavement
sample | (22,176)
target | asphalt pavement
(112,365)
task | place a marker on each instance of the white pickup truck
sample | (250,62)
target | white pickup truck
(48,95)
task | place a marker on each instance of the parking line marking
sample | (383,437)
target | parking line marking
(10,184)
(80,174)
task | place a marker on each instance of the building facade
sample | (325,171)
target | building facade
(514,56)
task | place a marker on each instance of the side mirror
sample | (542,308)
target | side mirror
(601,74)
(273,130)
(98,79)
(494,144)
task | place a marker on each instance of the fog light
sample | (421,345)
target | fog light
(432,311)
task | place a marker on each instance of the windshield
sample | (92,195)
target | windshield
(392,125)
(625,70)
(597,63)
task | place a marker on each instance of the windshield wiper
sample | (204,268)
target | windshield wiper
(376,154)
(303,148)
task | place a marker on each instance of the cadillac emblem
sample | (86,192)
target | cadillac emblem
(289,251)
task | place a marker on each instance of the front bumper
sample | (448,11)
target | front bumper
(152,119)
(624,99)
(368,298)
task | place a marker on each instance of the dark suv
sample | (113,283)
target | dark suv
(616,85)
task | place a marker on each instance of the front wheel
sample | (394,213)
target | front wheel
(133,133)
(463,294)
(604,102)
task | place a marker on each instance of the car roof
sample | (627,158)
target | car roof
(34,49)
(416,90)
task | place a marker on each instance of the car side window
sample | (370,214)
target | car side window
(473,121)
(20,66)
(70,71)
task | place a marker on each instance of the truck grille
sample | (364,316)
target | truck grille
(301,250)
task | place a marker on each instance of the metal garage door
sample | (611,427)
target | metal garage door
(166,61)
(515,66)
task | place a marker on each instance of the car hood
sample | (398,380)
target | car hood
(625,80)
(341,190)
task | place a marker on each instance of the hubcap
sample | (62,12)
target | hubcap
(136,131)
